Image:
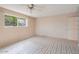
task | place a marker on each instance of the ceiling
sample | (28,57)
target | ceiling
(42,10)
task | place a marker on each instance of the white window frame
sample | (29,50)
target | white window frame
(26,21)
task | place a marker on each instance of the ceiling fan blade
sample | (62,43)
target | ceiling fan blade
(38,7)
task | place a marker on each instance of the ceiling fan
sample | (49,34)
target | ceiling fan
(30,6)
(34,7)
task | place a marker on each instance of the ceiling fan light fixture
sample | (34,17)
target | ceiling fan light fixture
(30,6)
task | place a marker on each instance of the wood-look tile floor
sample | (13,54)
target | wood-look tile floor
(42,45)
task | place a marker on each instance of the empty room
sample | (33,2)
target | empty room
(39,28)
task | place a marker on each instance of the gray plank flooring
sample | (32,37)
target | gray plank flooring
(42,45)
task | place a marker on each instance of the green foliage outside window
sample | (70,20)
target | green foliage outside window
(10,20)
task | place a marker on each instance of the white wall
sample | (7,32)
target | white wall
(10,35)
(58,26)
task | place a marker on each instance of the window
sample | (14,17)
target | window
(15,21)
(21,22)
(10,21)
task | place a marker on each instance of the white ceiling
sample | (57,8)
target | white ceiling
(42,10)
